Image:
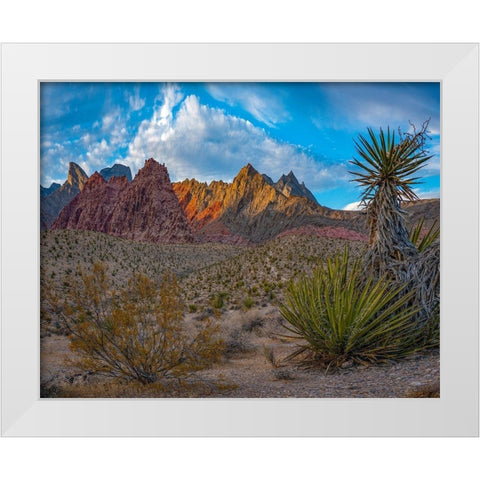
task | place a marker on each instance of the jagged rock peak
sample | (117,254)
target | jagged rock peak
(76,175)
(116,170)
(152,167)
(289,178)
(94,181)
(248,170)
(289,185)
(145,209)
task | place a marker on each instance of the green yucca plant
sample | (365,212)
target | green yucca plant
(385,169)
(422,243)
(342,316)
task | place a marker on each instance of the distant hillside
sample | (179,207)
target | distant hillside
(116,170)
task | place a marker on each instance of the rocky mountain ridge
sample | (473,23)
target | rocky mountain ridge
(145,209)
(252,207)
(249,210)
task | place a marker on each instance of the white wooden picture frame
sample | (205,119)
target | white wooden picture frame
(24,66)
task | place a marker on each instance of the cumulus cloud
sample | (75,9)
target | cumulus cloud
(97,152)
(206,143)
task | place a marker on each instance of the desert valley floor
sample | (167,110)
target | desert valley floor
(237,286)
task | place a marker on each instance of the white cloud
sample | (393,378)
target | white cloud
(256,99)
(108,120)
(206,143)
(425,194)
(355,206)
(97,153)
(136,103)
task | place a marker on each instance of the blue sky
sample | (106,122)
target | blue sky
(210,130)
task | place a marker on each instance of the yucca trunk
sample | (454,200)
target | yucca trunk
(388,235)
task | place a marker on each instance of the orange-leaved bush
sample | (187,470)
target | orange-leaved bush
(135,333)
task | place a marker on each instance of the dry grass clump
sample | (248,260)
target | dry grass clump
(279,371)
(242,330)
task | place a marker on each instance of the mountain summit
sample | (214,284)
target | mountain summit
(251,208)
(52,204)
(145,209)
(289,185)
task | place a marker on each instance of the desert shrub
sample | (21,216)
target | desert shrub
(279,371)
(341,315)
(237,341)
(136,333)
(218,300)
(248,302)
(253,323)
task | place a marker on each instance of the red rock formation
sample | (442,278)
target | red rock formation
(145,209)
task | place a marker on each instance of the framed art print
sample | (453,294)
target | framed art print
(242,239)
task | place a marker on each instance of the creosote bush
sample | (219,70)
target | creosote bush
(136,333)
(340,315)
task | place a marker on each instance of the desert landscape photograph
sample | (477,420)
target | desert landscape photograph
(239,240)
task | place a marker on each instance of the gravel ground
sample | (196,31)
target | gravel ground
(247,373)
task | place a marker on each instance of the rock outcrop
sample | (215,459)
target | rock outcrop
(116,170)
(251,208)
(145,209)
(52,204)
(289,185)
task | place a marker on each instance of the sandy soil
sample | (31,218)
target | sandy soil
(247,373)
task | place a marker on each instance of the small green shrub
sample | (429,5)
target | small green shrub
(341,315)
(218,300)
(248,302)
